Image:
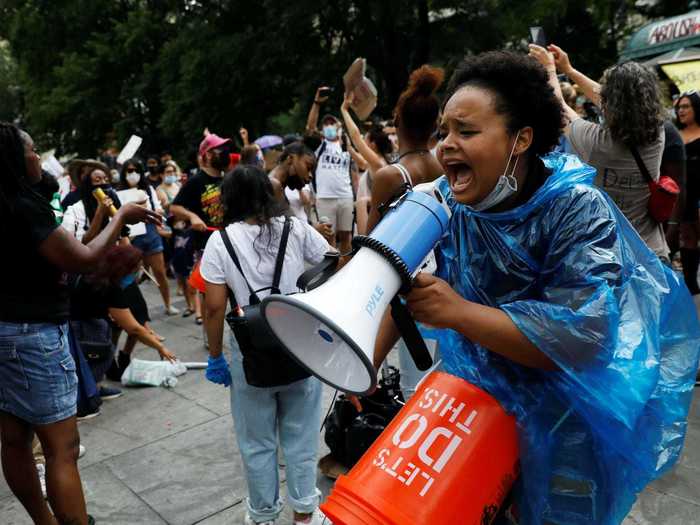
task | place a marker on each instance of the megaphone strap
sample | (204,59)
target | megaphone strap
(320,273)
(393,258)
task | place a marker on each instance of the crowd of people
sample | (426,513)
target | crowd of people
(550,252)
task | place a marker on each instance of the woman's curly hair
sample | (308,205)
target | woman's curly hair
(631,104)
(521,92)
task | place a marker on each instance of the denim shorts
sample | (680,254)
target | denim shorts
(150,243)
(38,382)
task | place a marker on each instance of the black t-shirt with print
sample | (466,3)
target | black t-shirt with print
(201,195)
(33,290)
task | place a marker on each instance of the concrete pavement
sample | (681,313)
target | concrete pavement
(168,456)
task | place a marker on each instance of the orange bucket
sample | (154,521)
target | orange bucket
(195,280)
(449,456)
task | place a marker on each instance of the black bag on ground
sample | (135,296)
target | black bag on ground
(265,362)
(349,433)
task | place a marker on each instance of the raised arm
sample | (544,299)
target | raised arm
(590,88)
(312,120)
(359,159)
(67,253)
(546,58)
(374,160)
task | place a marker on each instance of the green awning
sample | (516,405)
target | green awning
(663,36)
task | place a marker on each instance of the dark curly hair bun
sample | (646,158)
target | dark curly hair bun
(418,107)
(521,91)
(425,81)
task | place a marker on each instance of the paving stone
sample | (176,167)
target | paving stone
(12,512)
(653,508)
(111,502)
(186,477)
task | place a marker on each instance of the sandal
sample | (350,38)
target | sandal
(187,312)
(198,319)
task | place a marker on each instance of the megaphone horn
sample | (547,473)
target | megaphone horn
(332,330)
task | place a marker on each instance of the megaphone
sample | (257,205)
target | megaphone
(331,330)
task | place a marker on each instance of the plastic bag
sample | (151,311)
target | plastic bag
(579,282)
(152,373)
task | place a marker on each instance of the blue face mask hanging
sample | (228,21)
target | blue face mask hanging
(506,186)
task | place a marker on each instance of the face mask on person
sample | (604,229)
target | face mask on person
(104,187)
(506,186)
(170,179)
(220,161)
(133,179)
(330,132)
(115,176)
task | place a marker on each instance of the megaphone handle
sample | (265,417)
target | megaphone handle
(310,278)
(410,334)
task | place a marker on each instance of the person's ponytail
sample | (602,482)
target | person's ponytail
(418,106)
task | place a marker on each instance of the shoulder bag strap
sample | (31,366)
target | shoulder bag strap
(640,164)
(280,255)
(232,253)
(404,174)
(321,149)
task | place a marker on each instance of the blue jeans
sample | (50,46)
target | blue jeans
(38,383)
(261,414)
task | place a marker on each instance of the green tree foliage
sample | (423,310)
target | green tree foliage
(92,73)
(10,92)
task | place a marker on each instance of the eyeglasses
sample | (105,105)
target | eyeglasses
(131,170)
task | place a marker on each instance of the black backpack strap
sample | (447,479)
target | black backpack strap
(280,256)
(232,253)
(321,149)
(640,164)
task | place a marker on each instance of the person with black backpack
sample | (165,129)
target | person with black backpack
(262,251)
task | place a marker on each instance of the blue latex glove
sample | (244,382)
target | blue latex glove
(218,371)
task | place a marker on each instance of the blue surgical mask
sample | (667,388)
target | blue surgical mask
(506,186)
(170,179)
(330,132)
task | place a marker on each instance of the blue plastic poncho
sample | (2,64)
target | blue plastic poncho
(578,281)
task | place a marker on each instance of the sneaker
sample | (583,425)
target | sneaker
(109,393)
(171,310)
(317,518)
(81,451)
(87,413)
(41,471)
(249,521)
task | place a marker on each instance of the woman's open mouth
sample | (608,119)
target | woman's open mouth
(460,176)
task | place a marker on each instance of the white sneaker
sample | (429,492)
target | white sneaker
(249,521)
(171,310)
(317,518)
(81,451)
(41,470)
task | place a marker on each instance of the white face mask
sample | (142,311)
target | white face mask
(133,178)
(506,186)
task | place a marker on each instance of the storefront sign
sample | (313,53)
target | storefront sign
(674,29)
(685,75)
